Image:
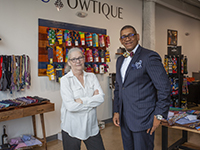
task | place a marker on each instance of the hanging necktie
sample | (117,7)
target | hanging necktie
(66,55)
(51,36)
(50,54)
(107,56)
(27,72)
(107,41)
(95,40)
(75,38)
(50,72)
(67,37)
(127,54)
(101,40)
(59,36)
(58,73)
(96,55)
(59,54)
(89,39)
(82,38)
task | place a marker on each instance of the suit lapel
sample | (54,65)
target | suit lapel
(119,67)
(135,57)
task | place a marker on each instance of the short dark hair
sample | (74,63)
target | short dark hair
(126,27)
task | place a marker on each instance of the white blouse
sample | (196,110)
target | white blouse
(80,120)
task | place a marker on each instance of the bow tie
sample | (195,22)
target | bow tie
(126,54)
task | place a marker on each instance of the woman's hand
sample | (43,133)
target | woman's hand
(96,92)
(78,101)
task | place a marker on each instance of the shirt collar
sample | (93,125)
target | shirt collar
(134,50)
(70,73)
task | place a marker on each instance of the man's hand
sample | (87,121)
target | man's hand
(156,123)
(78,101)
(116,119)
(96,92)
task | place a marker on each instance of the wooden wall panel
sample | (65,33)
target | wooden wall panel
(43,41)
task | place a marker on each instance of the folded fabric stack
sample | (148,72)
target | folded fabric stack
(24,141)
(187,118)
(22,101)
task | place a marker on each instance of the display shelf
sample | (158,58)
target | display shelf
(32,110)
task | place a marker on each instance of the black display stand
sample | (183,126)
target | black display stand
(176,51)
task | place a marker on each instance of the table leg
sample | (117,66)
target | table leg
(164,138)
(34,125)
(43,130)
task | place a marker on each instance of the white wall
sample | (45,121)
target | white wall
(19,33)
(168,19)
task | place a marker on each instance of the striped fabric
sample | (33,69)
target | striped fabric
(95,40)
(89,39)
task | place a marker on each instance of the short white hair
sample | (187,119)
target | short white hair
(74,49)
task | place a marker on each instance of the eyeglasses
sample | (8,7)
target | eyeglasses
(130,35)
(74,60)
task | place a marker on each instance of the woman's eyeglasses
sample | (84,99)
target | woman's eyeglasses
(74,60)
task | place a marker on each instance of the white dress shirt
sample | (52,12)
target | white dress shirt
(126,63)
(80,120)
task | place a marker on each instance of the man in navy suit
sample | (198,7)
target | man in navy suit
(142,93)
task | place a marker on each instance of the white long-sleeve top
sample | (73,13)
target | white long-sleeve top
(80,120)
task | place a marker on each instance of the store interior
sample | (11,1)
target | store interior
(20,35)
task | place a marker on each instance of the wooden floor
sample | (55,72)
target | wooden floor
(112,139)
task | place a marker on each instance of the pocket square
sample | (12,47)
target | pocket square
(137,65)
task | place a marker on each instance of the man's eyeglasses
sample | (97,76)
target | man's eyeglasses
(130,35)
(74,60)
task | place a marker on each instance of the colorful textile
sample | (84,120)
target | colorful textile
(58,73)
(59,54)
(107,56)
(75,38)
(66,55)
(50,72)
(96,68)
(67,37)
(95,40)
(102,55)
(82,38)
(89,39)
(107,41)
(96,55)
(50,54)
(59,36)
(101,40)
(51,36)
(89,55)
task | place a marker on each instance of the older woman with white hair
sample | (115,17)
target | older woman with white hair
(81,94)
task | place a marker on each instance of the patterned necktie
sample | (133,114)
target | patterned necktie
(126,54)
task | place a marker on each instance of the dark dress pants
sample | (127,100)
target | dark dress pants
(135,140)
(92,143)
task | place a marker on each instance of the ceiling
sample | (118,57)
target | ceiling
(195,3)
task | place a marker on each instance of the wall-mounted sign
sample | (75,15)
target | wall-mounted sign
(109,11)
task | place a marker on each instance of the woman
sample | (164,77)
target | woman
(81,94)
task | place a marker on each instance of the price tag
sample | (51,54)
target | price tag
(76,43)
(52,77)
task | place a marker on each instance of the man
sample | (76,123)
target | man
(142,93)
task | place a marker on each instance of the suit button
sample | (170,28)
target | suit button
(123,88)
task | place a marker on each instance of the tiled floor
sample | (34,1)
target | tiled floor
(112,139)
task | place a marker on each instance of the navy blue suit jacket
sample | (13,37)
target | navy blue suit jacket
(145,91)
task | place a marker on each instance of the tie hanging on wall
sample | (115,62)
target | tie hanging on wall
(14,73)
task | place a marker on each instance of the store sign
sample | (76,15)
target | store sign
(109,11)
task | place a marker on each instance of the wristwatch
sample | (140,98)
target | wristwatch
(159,117)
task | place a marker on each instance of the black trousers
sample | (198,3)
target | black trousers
(92,143)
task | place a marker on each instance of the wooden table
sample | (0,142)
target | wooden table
(181,141)
(29,111)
